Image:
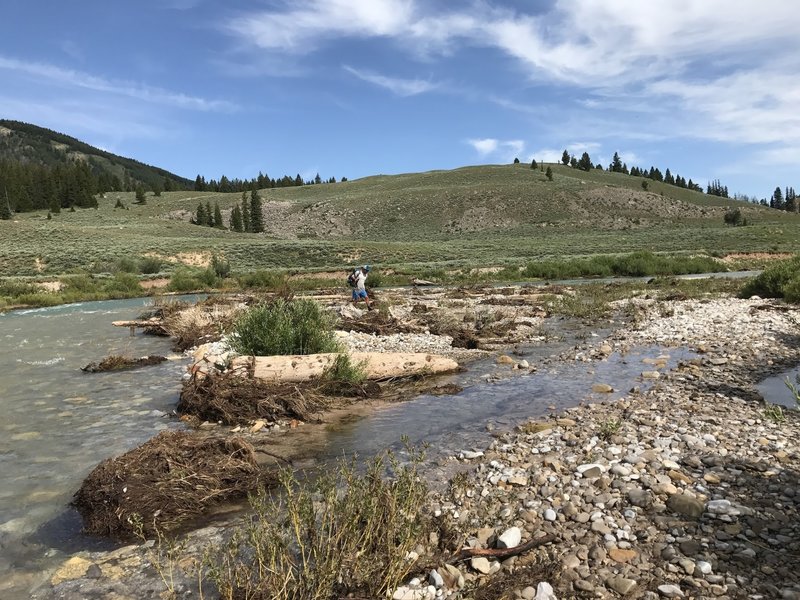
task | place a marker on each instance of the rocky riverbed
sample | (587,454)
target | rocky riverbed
(686,490)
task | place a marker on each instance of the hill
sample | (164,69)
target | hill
(480,216)
(36,145)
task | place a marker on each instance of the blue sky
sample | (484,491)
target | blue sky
(708,88)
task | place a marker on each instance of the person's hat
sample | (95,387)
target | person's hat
(367,268)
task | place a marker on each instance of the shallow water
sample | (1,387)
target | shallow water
(60,422)
(775,391)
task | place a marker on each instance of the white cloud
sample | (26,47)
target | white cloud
(723,70)
(69,78)
(484,146)
(503,149)
(401,87)
(309,22)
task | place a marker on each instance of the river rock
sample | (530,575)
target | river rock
(621,585)
(602,388)
(510,538)
(670,591)
(544,591)
(481,564)
(686,505)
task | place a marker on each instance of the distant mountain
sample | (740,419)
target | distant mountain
(29,144)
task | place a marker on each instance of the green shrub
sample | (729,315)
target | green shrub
(220,266)
(341,534)
(123,284)
(780,280)
(126,265)
(149,265)
(636,264)
(344,370)
(374,280)
(791,290)
(11,287)
(184,280)
(82,284)
(298,326)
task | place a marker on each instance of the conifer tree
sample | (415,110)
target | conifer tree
(218,216)
(141,198)
(585,163)
(256,216)
(236,219)
(209,215)
(5,206)
(246,214)
(549,173)
(533,164)
(616,164)
(565,158)
(200,215)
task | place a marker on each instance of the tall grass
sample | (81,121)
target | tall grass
(298,326)
(346,534)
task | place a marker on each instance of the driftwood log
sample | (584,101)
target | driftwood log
(377,365)
(500,553)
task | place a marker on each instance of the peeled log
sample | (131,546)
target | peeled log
(378,365)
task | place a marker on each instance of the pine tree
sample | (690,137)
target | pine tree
(245,210)
(209,215)
(5,206)
(256,216)
(585,163)
(516,161)
(200,215)
(573,162)
(218,216)
(565,158)
(616,164)
(549,173)
(533,164)
(141,198)
(236,219)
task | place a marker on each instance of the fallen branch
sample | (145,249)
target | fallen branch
(501,553)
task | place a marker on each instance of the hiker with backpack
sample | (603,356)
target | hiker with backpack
(357,280)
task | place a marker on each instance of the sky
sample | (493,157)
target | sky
(707,88)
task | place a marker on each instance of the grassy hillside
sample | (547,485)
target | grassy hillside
(32,144)
(470,217)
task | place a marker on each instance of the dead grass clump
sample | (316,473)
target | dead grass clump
(168,480)
(343,534)
(235,400)
(198,324)
(378,323)
(116,362)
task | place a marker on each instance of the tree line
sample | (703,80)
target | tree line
(246,217)
(226,185)
(781,199)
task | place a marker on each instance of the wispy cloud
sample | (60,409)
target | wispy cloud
(710,62)
(70,78)
(401,87)
(505,149)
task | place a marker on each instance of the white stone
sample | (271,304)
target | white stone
(480,564)
(550,515)
(544,591)
(510,537)
(705,567)
(670,591)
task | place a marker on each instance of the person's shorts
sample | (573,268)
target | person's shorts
(359,294)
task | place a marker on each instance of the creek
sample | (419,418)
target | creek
(60,422)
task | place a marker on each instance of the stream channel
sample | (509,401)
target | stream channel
(58,422)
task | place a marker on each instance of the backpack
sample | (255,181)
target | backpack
(352,279)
